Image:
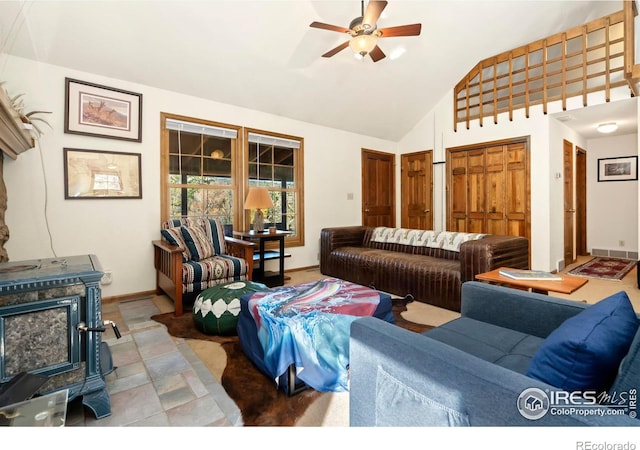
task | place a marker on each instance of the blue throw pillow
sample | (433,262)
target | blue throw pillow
(584,353)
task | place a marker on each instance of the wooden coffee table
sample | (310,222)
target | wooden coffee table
(567,285)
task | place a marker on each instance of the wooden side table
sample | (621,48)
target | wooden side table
(567,285)
(271,279)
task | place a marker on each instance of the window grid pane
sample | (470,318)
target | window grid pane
(200,178)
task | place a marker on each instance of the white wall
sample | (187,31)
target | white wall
(547,232)
(558,133)
(612,207)
(120,232)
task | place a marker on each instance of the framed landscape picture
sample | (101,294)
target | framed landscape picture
(96,174)
(95,110)
(624,168)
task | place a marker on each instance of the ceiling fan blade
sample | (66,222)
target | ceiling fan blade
(326,26)
(371,15)
(339,48)
(376,54)
(403,30)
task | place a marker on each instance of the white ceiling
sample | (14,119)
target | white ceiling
(585,120)
(264,56)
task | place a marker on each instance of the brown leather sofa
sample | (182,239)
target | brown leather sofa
(430,274)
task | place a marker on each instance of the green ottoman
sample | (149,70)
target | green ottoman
(216,310)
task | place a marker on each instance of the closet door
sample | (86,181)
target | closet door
(457,217)
(517,207)
(476,215)
(488,189)
(496,190)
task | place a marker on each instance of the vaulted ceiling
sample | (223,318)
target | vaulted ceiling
(264,56)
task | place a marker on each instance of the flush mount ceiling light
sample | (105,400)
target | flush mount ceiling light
(608,127)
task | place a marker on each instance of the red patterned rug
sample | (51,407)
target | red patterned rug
(605,268)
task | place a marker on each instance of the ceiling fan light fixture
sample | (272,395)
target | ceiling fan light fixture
(608,127)
(362,44)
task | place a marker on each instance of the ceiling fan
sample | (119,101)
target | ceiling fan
(364,32)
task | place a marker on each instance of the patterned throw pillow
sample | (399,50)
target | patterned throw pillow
(174,237)
(197,242)
(217,237)
(214,231)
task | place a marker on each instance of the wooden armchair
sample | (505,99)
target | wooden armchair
(193,255)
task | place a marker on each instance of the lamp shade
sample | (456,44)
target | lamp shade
(258,198)
(363,44)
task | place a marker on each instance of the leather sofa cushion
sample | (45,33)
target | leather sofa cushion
(502,346)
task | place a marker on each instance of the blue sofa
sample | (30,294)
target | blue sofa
(473,370)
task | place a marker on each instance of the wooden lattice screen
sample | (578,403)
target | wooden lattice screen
(597,56)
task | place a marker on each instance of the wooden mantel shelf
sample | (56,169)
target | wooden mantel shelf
(15,136)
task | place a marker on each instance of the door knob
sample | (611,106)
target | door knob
(427,210)
(366,210)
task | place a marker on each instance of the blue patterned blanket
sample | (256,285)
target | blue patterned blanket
(308,325)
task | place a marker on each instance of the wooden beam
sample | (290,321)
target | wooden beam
(584,66)
(526,83)
(607,52)
(564,71)
(495,92)
(510,87)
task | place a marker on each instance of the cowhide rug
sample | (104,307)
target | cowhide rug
(255,394)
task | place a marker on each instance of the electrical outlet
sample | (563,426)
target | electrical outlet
(621,243)
(107,278)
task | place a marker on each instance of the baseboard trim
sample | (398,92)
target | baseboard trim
(125,297)
(302,269)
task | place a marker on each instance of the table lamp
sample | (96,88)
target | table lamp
(258,198)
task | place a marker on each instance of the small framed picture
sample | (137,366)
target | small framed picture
(95,174)
(94,110)
(624,168)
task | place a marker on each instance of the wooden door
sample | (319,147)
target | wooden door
(581,202)
(517,192)
(476,191)
(417,190)
(569,208)
(488,188)
(457,194)
(496,190)
(378,188)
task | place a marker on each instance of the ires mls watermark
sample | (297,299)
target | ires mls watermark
(535,403)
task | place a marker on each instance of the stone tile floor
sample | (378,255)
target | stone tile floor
(158,381)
